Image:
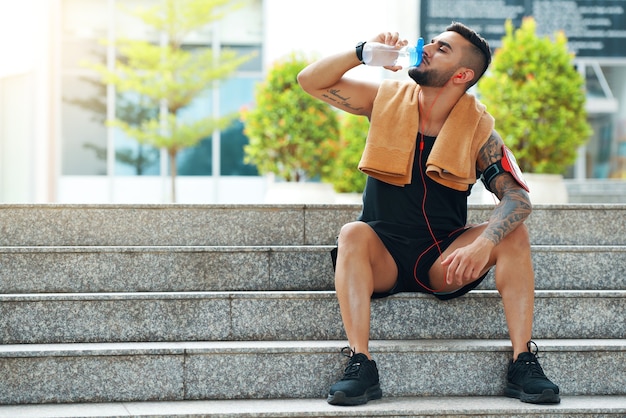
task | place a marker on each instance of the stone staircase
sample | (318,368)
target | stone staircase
(229,310)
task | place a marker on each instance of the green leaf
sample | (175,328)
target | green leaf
(537,97)
(292,134)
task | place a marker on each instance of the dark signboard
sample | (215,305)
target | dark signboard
(594,28)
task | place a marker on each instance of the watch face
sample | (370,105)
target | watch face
(509,163)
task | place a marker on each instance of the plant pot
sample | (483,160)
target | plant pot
(297,193)
(546,188)
(349,198)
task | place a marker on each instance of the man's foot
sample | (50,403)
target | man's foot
(359,383)
(527,381)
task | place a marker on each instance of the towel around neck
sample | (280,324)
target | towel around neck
(391,140)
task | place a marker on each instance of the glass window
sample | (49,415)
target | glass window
(131,157)
(131,27)
(243,26)
(83,107)
(233,141)
(196,161)
(234,93)
(255,63)
(592,84)
(84,133)
(76,52)
(85,19)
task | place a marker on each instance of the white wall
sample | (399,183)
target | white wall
(16,138)
(323,27)
(25,119)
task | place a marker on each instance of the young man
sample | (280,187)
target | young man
(427,143)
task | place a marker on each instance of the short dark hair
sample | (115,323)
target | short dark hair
(480,45)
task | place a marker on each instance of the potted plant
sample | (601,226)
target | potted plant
(291,135)
(346,178)
(538,100)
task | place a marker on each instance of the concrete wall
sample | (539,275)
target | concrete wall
(26,114)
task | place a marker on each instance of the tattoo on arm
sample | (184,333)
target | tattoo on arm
(490,152)
(514,206)
(334,97)
(513,209)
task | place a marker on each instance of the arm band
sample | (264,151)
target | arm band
(508,164)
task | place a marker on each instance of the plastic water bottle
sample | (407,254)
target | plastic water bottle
(381,55)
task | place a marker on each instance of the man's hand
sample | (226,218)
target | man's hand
(466,264)
(393,39)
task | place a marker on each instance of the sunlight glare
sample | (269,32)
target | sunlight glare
(20,33)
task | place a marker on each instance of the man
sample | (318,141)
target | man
(428,142)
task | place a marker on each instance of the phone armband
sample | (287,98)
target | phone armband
(508,164)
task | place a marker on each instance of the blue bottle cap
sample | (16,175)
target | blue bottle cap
(416,53)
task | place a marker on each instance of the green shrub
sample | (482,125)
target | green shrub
(537,98)
(292,134)
(345,175)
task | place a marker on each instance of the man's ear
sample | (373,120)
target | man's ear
(464,75)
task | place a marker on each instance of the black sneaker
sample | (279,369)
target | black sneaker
(359,383)
(527,381)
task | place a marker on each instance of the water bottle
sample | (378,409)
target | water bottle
(381,55)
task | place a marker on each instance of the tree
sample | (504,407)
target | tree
(170,76)
(126,110)
(291,134)
(537,98)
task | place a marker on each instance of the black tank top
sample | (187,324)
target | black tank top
(399,210)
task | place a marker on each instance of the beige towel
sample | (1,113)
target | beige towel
(390,146)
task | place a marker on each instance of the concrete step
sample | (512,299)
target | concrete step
(128,372)
(442,407)
(248,268)
(183,316)
(164,269)
(216,225)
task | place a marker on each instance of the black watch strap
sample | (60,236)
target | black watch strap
(359,51)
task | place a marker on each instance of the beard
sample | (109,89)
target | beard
(430,78)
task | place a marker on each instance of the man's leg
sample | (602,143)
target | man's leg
(514,280)
(516,284)
(363,266)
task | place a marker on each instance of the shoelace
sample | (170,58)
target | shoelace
(352,370)
(535,368)
(347,351)
(536,353)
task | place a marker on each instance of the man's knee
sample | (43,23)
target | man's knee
(518,239)
(358,239)
(359,247)
(353,233)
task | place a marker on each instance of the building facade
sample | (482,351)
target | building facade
(56,148)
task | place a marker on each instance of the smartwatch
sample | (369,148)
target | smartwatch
(359,51)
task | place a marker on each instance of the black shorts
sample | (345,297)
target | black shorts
(414,258)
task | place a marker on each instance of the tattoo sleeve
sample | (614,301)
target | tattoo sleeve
(514,206)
